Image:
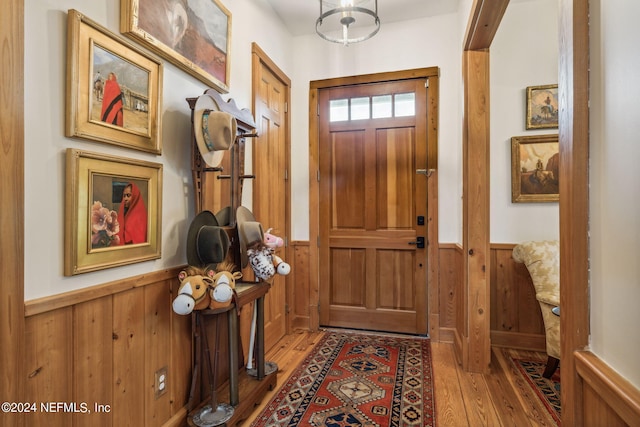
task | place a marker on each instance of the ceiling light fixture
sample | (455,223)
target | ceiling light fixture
(346,22)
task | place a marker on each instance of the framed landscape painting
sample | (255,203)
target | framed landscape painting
(114,89)
(535,162)
(113,209)
(194,35)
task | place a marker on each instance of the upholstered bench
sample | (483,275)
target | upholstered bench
(542,259)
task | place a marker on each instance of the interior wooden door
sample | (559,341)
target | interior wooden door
(270,188)
(373,193)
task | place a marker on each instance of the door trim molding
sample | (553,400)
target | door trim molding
(432,74)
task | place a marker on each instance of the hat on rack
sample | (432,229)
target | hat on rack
(207,242)
(249,231)
(215,130)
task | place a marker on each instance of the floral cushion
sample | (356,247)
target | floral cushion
(542,259)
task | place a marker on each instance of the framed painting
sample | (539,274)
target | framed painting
(542,107)
(194,35)
(535,162)
(114,89)
(113,209)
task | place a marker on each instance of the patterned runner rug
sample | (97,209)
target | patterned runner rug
(548,390)
(357,379)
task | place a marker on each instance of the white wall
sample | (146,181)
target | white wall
(427,42)
(45,143)
(524,53)
(615,193)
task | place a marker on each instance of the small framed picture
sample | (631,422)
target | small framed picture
(193,35)
(114,89)
(113,211)
(542,107)
(535,162)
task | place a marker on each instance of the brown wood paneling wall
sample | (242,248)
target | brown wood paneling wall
(94,346)
(516,321)
(300,307)
(608,399)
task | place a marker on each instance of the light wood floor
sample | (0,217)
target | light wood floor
(462,398)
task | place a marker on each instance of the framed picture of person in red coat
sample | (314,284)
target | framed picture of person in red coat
(114,89)
(113,209)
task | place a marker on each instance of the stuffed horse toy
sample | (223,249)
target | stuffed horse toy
(201,289)
(264,262)
(224,285)
(272,241)
(193,291)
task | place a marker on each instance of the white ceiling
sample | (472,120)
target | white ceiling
(300,15)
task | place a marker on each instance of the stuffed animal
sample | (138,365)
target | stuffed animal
(272,241)
(264,262)
(193,291)
(224,285)
(205,288)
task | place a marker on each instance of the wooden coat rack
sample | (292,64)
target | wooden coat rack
(220,190)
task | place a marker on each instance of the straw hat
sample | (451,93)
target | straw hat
(215,131)
(207,242)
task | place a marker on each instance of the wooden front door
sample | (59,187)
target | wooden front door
(373,205)
(270,189)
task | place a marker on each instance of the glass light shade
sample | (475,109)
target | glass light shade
(349,21)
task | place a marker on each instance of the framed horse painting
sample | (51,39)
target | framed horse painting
(114,89)
(535,164)
(542,107)
(194,35)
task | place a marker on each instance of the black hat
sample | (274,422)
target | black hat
(207,242)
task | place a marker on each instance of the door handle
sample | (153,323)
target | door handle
(419,242)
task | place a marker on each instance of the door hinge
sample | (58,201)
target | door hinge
(286,308)
(318,175)
(286,242)
(318,109)
(318,241)
(286,175)
(426,83)
(286,107)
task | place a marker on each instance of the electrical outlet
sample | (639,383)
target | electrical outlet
(160,382)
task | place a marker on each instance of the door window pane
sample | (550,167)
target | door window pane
(405,104)
(359,108)
(381,106)
(338,110)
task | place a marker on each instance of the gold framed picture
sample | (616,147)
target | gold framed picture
(542,107)
(113,209)
(114,89)
(194,35)
(535,162)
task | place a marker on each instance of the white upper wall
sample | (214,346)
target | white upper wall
(45,143)
(524,53)
(614,190)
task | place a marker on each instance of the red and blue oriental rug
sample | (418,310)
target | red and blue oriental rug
(357,379)
(547,390)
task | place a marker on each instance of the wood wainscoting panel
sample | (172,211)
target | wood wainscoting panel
(128,368)
(49,363)
(516,320)
(299,293)
(92,334)
(450,284)
(104,348)
(608,399)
